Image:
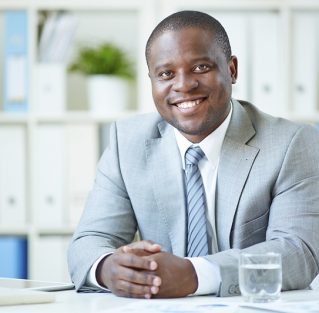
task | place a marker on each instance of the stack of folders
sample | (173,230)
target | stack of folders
(12,296)
(25,291)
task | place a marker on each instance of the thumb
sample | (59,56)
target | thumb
(146,245)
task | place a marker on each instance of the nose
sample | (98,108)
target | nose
(184,82)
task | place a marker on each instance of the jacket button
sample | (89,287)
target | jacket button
(234,289)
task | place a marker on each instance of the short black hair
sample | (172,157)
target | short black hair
(184,19)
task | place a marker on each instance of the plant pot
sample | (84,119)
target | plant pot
(108,94)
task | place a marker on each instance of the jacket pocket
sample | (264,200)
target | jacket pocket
(251,232)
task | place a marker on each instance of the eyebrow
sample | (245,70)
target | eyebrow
(164,65)
(195,60)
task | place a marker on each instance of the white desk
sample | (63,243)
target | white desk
(72,302)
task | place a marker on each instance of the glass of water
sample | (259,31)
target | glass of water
(260,276)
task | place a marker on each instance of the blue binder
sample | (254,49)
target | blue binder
(16,61)
(13,257)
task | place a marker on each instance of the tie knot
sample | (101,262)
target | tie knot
(193,155)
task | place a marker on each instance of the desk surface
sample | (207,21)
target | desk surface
(72,302)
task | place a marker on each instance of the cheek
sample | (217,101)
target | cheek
(160,92)
(221,85)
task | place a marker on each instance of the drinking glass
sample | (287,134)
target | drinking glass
(260,276)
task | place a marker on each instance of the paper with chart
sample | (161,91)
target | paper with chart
(151,306)
(288,307)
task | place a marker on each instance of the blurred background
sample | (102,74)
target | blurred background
(69,68)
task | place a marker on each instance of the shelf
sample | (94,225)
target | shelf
(80,117)
(40,231)
(304,4)
(72,4)
(61,146)
(63,231)
(133,4)
(13,118)
(232,4)
(68,117)
(23,231)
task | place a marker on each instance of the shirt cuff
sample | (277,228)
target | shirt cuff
(91,277)
(208,276)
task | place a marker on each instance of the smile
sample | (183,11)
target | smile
(189,104)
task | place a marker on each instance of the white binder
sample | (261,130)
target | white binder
(82,155)
(305,64)
(49,177)
(12,176)
(266,82)
(236,27)
(50,88)
(50,259)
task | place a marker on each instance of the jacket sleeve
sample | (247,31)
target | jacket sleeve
(108,220)
(293,225)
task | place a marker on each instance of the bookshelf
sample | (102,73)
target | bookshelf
(276,73)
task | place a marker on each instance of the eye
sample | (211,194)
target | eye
(202,68)
(165,74)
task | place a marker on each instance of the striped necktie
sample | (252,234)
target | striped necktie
(196,233)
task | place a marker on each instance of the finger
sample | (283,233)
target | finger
(134,261)
(121,293)
(140,277)
(138,252)
(146,245)
(135,290)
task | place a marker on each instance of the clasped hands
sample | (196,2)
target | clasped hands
(142,270)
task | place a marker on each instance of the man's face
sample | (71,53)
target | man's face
(191,81)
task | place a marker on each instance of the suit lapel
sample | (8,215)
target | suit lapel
(164,161)
(235,163)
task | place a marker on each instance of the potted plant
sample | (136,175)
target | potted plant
(109,73)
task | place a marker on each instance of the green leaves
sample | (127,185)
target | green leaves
(105,59)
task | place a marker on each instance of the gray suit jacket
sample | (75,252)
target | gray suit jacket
(267,195)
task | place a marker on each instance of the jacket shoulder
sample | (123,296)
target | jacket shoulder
(141,125)
(269,123)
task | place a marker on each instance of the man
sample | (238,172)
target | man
(207,178)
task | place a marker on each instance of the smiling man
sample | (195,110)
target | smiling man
(203,180)
(191,79)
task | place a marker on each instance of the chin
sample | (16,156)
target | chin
(192,128)
(195,132)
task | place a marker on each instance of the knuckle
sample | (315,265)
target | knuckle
(113,271)
(147,261)
(146,278)
(150,279)
(130,288)
(115,257)
(146,290)
(127,288)
(132,276)
(121,286)
(120,293)
(130,259)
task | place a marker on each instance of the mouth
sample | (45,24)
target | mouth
(186,104)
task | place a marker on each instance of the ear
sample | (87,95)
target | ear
(233,68)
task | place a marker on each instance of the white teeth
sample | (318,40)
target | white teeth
(188,104)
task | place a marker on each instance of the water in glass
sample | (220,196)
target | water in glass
(260,281)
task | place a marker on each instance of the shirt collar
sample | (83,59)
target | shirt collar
(211,145)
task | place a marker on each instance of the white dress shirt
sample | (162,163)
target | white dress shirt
(207,273)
